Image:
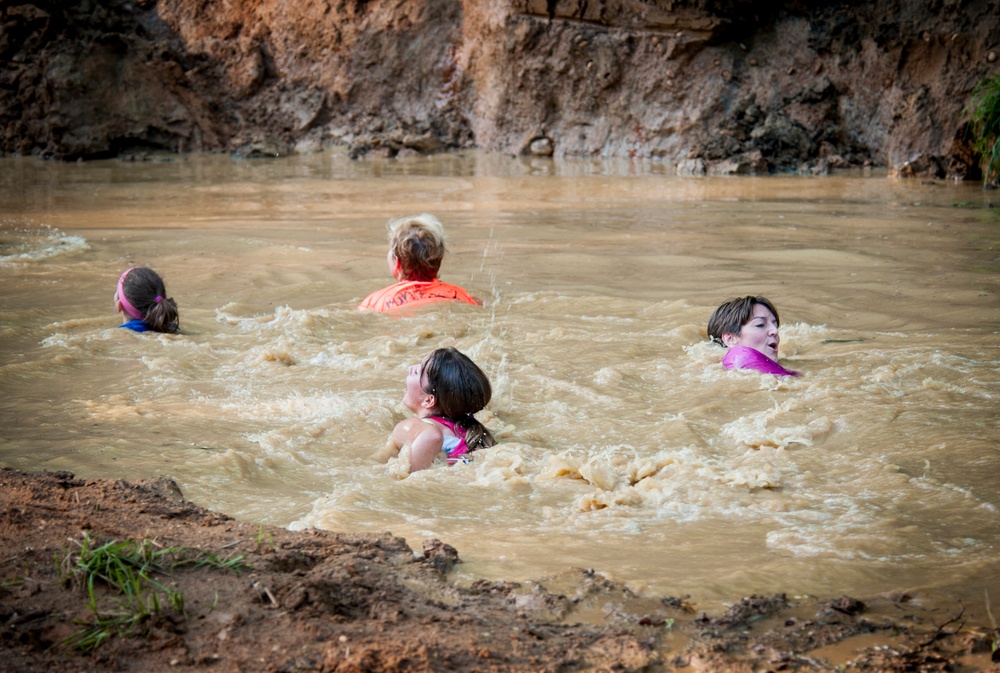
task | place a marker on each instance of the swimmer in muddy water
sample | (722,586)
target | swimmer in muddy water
(141,297)
(444,391)
(748,328)
(416,249)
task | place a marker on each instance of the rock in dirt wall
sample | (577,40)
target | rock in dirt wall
(712,87)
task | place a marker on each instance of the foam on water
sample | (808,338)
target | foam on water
(677,474)
(279,378)
(24,242)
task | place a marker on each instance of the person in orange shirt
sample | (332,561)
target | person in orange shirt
(416,248)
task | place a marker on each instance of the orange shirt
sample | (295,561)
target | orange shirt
(413,293)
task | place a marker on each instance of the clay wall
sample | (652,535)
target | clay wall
(710,87)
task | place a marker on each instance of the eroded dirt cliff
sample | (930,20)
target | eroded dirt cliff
(719,87)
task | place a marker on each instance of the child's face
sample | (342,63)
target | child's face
(759,333)
(415,395)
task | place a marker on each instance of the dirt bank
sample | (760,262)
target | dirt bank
(320,601)
(709,87)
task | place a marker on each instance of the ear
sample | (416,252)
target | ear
(730,339)
(397,268)
(429,402)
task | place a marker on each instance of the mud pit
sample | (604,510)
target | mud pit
(321,601)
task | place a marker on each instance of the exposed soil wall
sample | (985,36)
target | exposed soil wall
(713,87)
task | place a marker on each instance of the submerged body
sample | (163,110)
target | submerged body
(409,294)
(136,325)
(744,357)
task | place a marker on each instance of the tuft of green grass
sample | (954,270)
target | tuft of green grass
(124,584)
(984,116)
(263,535)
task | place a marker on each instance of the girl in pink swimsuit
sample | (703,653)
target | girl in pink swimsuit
(444,391)
(748,327)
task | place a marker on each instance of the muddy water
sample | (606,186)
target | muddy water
(625,447)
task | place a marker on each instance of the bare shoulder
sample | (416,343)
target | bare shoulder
(406,431)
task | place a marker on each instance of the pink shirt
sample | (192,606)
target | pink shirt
(744,357)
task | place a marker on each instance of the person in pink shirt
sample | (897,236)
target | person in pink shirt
(748,328)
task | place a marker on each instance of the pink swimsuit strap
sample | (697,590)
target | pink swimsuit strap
(459,432)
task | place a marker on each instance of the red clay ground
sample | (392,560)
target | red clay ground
(320,601)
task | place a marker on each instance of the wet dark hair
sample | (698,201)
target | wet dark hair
(460,389)
(141,287)
(734,314)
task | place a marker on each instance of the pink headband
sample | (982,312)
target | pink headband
(131,310)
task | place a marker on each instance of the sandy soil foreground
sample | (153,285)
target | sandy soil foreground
(321,601)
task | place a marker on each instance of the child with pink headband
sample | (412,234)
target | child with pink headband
(748,327)
(142,298)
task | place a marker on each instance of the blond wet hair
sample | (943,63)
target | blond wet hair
(417,242)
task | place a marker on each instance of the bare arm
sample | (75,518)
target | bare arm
(423,441)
